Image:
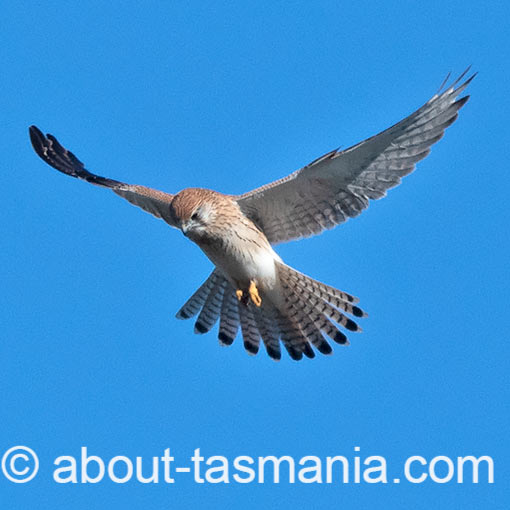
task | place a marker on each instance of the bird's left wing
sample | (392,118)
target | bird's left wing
(339,184)
(150,200)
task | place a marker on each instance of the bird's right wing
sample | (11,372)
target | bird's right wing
(150,200)
(339,185)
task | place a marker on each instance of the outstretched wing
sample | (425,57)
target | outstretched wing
(338,185)
(150,200)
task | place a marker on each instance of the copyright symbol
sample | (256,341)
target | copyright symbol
(20,464)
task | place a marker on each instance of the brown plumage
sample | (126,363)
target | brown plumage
(251,289)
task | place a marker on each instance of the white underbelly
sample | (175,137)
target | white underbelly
(241,266)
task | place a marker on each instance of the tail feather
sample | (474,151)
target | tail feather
(315,312)
(321,293)
(315,286)
(212,307)
(308,351)
(292,338)
(265,321)
(309,324)
(300,319)
(251,335)
(229,319)
(322,307)
(197,300)
(332,331)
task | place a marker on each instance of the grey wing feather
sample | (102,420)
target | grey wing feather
(49,150)
(338,185)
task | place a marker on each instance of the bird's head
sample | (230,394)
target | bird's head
(194,211)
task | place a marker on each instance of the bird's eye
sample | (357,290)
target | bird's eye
(194,216)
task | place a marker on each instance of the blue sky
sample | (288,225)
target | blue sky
(230,96)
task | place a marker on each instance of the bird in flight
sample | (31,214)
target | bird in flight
(251,288)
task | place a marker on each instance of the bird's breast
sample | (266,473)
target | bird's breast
(243,259)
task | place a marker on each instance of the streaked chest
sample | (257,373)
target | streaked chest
(242,254)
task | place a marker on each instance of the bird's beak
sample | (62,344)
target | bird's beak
(184,227)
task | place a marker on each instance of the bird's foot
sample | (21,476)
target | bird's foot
(242,297)
(254,294)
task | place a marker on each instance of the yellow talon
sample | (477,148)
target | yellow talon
(254,294)
(239,294)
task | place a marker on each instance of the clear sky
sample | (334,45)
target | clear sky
(229,95)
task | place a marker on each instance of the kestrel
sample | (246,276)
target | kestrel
(250,286)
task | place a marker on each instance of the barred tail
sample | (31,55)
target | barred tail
(307,311)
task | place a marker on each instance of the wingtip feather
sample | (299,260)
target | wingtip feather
(37,140)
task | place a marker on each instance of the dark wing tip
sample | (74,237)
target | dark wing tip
(54,154)
(34,130)
(471,78)
(461,102)
(462,76)
(459,79)
(51,152)
(461,86)
(445,88)
(38,141)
